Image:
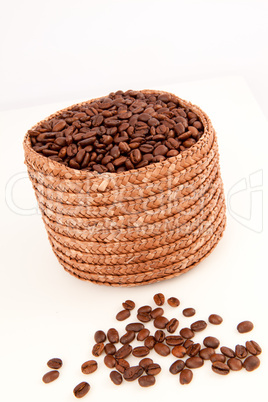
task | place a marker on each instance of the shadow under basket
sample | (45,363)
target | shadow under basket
(135,227)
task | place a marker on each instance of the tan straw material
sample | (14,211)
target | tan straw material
(135,227)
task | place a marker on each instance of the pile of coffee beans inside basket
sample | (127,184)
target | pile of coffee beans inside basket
(123,131)
(164,341)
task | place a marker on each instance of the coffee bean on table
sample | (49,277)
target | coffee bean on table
(159,335)
(199,325)
(121,365)
(234,364)
(100,336)
(251,363)
(187,343)
(188,312)
(173,302)
(244,326)
(161,349)
(172,325)
(116,377)
(89,367)
(253,347)
(177,366)
(123,352)
(220,368)
(50,376)
(135,326)
(215,319)
(186,333)
(179,351)
(109,361)
(153,369)
(174,340)
(132,373)
(194,362)
(193,349)
(97,349)
(217,357)
(81,389)
(54,363)
(113,335)
(140,351)
(127,337)
(156,312)
(211,342)
(143,334)
(240,351)
(206,353)
(160,322)
(128,304)
(110,349)
(146,317)
(227,351)
(123,315)
(159,299)
(186,376)
(144,363)
(146,380)
(144,310)
(150,342)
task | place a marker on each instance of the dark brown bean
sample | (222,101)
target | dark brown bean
(50,376)
(177,367)
(186,333)
(121,365)
(174,340)
(116,377)
(186,376)
(244,326)
(215,319)
(132,373)
(134,326)
(179,351)
(187,343)
(144,363)
(193,349)
(109,361)
(159,335)
(81,389)
(156,312)
(172,325)
(144,310)
(227,351)
(143,334)
(55,363)
(122,315)
(127,337)
(153,369)
(240,351)
(211,342)
(194,362)
(149,342)
(123,352)
(199,325)
(253,348)
(140,351)
(234,364)
(100,336)
(161,349)
(98,349)
(146,380)
(217,357)
(160,322)
(173,302)
(188,312)
(159,299)
(110,349)
(251,363)
(206,353)
(89,367)
(220,368)
(128,304)
(146,317)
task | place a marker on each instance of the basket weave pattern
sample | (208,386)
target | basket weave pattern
(134,227)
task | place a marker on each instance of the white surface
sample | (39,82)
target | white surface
(60,49)
(47,313)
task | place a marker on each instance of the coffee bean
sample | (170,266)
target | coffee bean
(123,352)
(160,322)
(159,299)
(89,367)
(143,334)
(150,342)
(160,150)
(128,304)
(173,302)
(220,368)
(135,156)
(100,336)
(186,333)
(153,369)
(174,340)
(122,315)
(146,380)
(144,310)
(54,363)
(156,312)
(234,364)
(134,326)
(217,357)
(59,125)
(109,361)
(187,343)
(198,326)
(132,373)
(98,349)
(172,325)
(251,363)
(159,335)
(253,347)
(240,351)
(186,376)
(146,317)
(127,337)
(144,363)
(244,326)
(227,351)
(121,365)
(215,319)
(50,376)
(161,349)
(193,349)
(81,389)
(140,351)
(194,362)
(177,366)
(188,312)
(109,349)
(211,342)
(116,377)
(206,353)
(179,351)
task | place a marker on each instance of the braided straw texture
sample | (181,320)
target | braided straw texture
(135,227)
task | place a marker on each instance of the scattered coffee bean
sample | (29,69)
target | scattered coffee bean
(132,373)
(174,340)
(240,351)
(81,389)
(186,333)
(127,337)
(153,369)
(144,363)
(244,326)
(156,312)
(172,325)
(253,347)
(109,361)
(177,366)
(113,335)
(50,376)
(173,302)
(206,353)
(179,351)
(146,317)
(199,325)
(123,352)
(193,349)
(144,310)
(217,357)
(251,363)
(110,349)
(215,319)
(194,362)
(187,343)
(122,315)
(211,342)
(89,367)
(159,335)
(159,299)
(160,322)
(97,349)
(54,363)
(116,377)
(220,368)
(121,365)
(100,336)
(143,334)
(150,342)
(188,312)
(140,351)
(161,349)
(186,376)
(227,351)
(128,304)
(234,364)
(146,380)
(134,326)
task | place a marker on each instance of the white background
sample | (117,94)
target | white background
(57,53)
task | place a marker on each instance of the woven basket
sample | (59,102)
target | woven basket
(135,227)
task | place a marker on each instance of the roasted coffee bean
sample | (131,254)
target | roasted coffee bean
(186,333)
(199,325)
(234,364)
(215,319)
(193,349)
(150,342)
(160,322)
(135,156)
(211,342)
(172,325)
(156,312)
(144,363)
(59,125)
(121,365)
(253,348)
(146,317)
(220,368)
(251,363)
(186,376)
(159,335)
(122,315)
(227,351)
(188,343)
(159,299)
(173,302)
(98,349)
(153,369)
(123,352)
(146,380)
(194,362)
(217,357)
(206,353)
(134,326)
(100,336)
(177,367)
(50,376)
(179,351)
(110,349)
(127,337)
(188,312)
(240,351)
(144,310)
(161,349)
(81,389)
(116,377)
(140,351)
(174,340)
(132,373)
(244,326)
(55,363)
(128,304)
(89,367)
(143,334)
